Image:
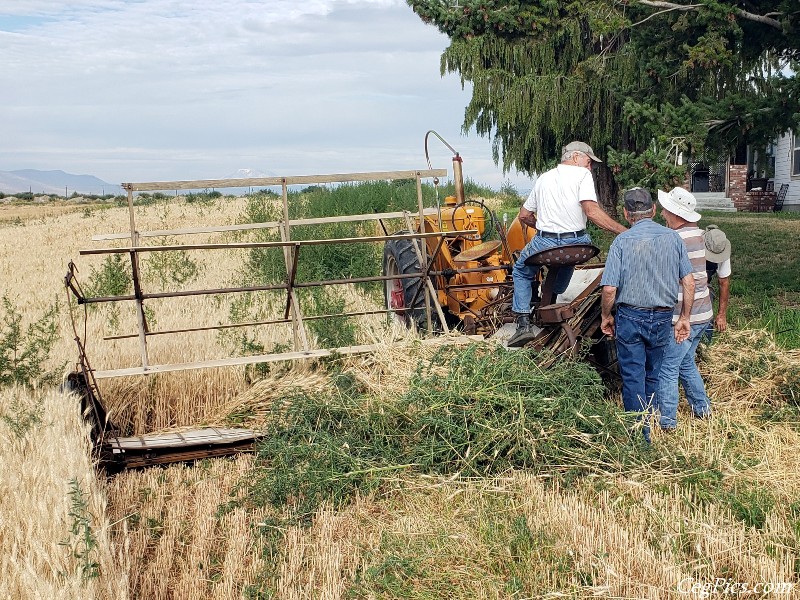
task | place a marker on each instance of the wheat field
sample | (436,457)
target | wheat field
(177,532)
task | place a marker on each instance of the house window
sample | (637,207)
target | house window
(796,154)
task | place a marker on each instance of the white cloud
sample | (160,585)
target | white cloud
(160,89)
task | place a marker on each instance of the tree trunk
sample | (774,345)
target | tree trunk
(607,189)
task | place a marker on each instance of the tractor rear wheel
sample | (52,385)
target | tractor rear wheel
(400,258)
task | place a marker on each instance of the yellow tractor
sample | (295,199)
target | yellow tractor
(470,275)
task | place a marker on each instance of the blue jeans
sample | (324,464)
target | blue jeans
(642,337)
(679,364)
(525,275)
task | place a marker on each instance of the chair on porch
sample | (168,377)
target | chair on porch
(781,197)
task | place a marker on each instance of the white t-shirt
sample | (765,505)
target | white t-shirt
(724,269)
(556,198)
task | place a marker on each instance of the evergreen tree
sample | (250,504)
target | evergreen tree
(639,80)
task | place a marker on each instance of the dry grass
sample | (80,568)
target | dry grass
(167,520)
(160,532)
(748,369)
(39,458)
(480,539)
(18,214)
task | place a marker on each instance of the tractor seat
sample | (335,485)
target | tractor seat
(563,256)
(554,259)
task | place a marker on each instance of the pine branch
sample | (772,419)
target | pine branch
(763,19)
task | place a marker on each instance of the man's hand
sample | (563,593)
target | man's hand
(607,325)
(527,217)
(607,297)
(721,322)
(682,329)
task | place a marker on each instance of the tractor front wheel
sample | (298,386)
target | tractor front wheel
(403,296)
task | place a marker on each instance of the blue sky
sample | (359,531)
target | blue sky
(162,90)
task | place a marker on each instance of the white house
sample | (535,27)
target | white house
(787,167)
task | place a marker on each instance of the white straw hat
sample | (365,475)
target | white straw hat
(680,202)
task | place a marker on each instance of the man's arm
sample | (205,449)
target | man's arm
(607,303)
(683,328)
(527,217)
(721,322)
(600,217)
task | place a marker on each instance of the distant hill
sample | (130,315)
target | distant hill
(53,182)
(57,182)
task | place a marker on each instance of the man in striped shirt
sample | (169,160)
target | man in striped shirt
(678,364)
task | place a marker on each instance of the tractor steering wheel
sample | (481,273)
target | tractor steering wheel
(488,228)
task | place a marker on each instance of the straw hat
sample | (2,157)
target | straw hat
(680,202)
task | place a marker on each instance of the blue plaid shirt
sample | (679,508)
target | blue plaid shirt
(646,264)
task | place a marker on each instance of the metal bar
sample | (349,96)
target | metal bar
(298,329)
(306,284)
(359,313)
(255,288)
(262,358)
(432,289)
(383,227)
(292,274)
(71,282)
(275,244)
(235,361)
(425,276)
(250,226)
(140,316)
(274,181)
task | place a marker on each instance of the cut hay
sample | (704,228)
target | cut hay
(747,368)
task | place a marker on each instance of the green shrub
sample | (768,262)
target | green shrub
(113,278)
(171,268)
(23,354)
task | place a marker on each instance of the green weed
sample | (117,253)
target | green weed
(113,278)
(750,503)
(171,268)
(504,554)
(491,412)
(21,418)
(23,354)
(83,541)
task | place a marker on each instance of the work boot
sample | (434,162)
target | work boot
(523,334)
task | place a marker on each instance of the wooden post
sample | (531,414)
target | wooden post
(298,329)
(137,288)
(423,261)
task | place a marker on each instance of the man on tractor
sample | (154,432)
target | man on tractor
(558,206)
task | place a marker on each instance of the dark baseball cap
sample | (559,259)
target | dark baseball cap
(638,200)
